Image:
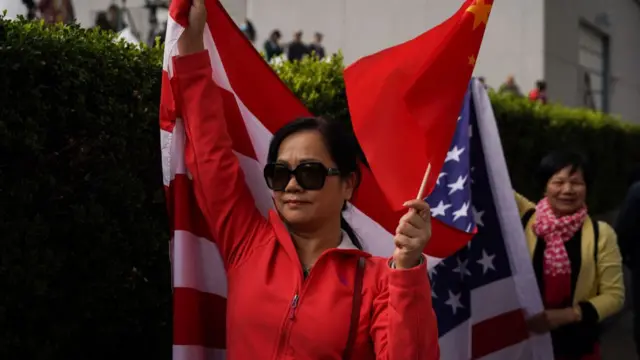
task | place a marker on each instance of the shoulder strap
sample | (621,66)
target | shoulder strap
(355,309)
(527,216)
(596,235)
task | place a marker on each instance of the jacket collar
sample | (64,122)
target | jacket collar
(284,238)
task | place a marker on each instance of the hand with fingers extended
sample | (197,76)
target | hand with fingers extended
(412,234)
(192,39)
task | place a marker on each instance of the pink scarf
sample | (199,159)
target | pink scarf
(556,231)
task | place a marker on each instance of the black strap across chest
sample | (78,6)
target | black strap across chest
(356,304)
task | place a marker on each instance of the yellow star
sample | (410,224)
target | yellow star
(480,12)
(472,60)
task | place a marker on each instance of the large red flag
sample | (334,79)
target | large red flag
(404,101)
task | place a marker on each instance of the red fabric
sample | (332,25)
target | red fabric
(397,320)
(408,97)
(533,94)
(557,267)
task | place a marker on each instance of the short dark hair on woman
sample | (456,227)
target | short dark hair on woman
(558,160)
(341,144)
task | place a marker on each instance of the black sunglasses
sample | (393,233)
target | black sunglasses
(309,175)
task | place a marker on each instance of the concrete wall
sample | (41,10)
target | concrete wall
(513,41)
(620,20)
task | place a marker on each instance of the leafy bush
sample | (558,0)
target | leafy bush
(528,130)
(84,267)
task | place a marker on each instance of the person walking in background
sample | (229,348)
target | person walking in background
(628,228)
(102,21)
(539,93)
(575,258)
(296,49)
(54,11)
(510,87)
(249,30)
(272,46)
(316,46)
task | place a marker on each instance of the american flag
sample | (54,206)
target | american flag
(481,314)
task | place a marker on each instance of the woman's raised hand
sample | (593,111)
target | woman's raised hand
(192,39)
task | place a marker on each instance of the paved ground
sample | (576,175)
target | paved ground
(617,340)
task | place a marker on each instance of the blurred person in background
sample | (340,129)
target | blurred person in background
(628,228)
(31,9)
(114,15)
(248,30)
(539,93)
(297,49)
(272,46)
(102,21)
(510,87)
(54,11)
(316,46)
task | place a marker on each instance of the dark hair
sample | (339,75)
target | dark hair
(558,160)
(541,85)
(275,33)
(250,30)
(341,144)
(634,174)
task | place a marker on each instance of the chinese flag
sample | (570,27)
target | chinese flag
(405,100)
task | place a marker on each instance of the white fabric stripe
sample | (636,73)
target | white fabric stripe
(494,299)
(255,180)
(174,30)
(519,351)
(172,147)
(512,232)
(456,344)
(195,352)
(197,264)
(166,141)
(260,136)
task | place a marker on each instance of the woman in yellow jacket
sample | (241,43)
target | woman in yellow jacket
(576,259)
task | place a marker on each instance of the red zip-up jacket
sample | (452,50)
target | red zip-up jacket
(272,311)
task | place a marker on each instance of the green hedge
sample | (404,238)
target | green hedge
(84,267)
(528,130)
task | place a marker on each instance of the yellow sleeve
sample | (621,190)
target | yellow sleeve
(610,279)
(523,203)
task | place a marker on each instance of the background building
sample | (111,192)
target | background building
(588,51)
(560,41)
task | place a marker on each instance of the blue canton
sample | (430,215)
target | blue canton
(485,259)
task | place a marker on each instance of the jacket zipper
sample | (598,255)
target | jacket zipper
(288,321)
(294,305)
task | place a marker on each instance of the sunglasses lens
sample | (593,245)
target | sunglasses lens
(311,176)
(277,176)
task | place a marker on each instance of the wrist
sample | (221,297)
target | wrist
(406,263)
(190,47)
(576,314)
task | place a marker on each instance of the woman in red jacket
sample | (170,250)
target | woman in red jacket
(300,287)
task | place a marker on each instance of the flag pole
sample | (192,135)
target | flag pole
(424,183)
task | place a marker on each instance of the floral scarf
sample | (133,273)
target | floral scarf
(557,267)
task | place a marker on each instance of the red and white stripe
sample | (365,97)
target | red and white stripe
(249,87)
